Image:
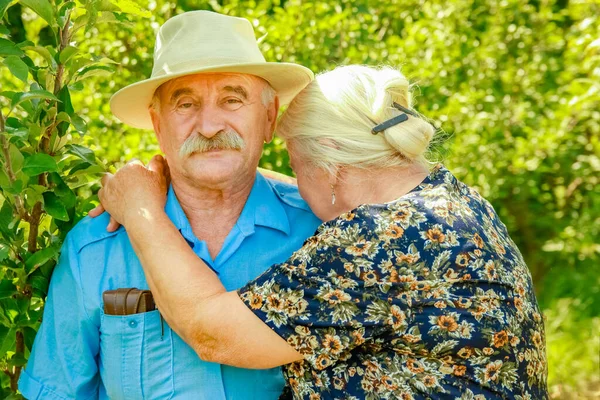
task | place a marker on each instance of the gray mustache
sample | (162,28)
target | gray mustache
(227,140)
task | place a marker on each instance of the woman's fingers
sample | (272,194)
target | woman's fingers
(113,225)
(135,161)
(96,211)
(156,164)
(131,188)
(105,178)
(159,165)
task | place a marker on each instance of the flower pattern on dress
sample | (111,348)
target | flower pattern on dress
(425,297)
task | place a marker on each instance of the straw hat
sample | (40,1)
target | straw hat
(203,41)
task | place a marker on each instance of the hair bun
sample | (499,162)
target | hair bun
(411,138)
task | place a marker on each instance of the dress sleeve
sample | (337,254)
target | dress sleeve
(326,299)
(62,363)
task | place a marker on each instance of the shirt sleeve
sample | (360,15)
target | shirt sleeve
(62,364)
(326,300)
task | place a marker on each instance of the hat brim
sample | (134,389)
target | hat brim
(130,104)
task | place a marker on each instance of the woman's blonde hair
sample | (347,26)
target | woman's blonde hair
(329,123)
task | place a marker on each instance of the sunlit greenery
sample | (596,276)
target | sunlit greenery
(514,86)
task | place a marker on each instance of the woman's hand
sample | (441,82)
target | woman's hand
(133,191)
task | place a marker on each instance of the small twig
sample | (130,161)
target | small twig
(20,347)
(34,225)
(64,41)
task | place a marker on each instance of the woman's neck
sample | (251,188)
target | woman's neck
(361,186)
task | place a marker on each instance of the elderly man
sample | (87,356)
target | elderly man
(212,101)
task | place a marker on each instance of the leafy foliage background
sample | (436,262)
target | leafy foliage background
(513,84)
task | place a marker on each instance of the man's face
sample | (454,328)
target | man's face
(211,127)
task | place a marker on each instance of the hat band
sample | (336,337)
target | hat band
(214,62)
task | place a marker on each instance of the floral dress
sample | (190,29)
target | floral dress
(425,297)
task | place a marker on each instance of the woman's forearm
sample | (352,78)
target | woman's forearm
(179,280)
(189,295)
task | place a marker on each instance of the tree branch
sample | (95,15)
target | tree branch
(64,42)
(20,347)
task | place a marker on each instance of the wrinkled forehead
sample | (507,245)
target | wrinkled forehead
(244,84)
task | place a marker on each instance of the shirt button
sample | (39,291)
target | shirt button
(132,324)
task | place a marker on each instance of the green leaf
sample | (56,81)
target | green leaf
(16,158)
(76,87)
(7,289)
(44,52)
(62,190)
(81,165)
(18,360)
(62,12)
(63,117)
(7,339)
(8,48)
(67,53)
(79,124)
(43,8)
(64,106)
(9,94)
(39,282)
(40,257)
(4,181)
(82,152)
(65,101)
(3,29)
(38,163)
(6,216)
(132,8)
(21,133)
(32,196)
(29,336)
(55,207)
(31,95)
(4,4)
(93,70)
(4,251)
(17,67)
(89,170)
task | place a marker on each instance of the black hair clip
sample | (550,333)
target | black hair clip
(393,121)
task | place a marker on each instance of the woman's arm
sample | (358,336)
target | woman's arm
(189,295)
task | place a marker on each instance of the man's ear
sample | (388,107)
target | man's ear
(156,125)
(272,111)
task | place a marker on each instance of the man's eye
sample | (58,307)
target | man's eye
(185,106)
(232,100)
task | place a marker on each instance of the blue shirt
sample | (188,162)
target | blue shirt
(79,352)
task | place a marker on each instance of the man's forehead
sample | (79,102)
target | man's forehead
(219,81)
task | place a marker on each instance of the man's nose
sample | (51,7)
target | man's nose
(210,122)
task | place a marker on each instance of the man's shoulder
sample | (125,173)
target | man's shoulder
(91,230)
(288,194)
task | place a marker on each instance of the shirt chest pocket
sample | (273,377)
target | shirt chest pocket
(136,356)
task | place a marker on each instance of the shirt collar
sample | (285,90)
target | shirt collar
(263,208)
(178,217)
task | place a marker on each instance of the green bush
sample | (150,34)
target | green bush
(514,84)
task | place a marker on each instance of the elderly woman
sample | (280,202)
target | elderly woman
(410,289)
